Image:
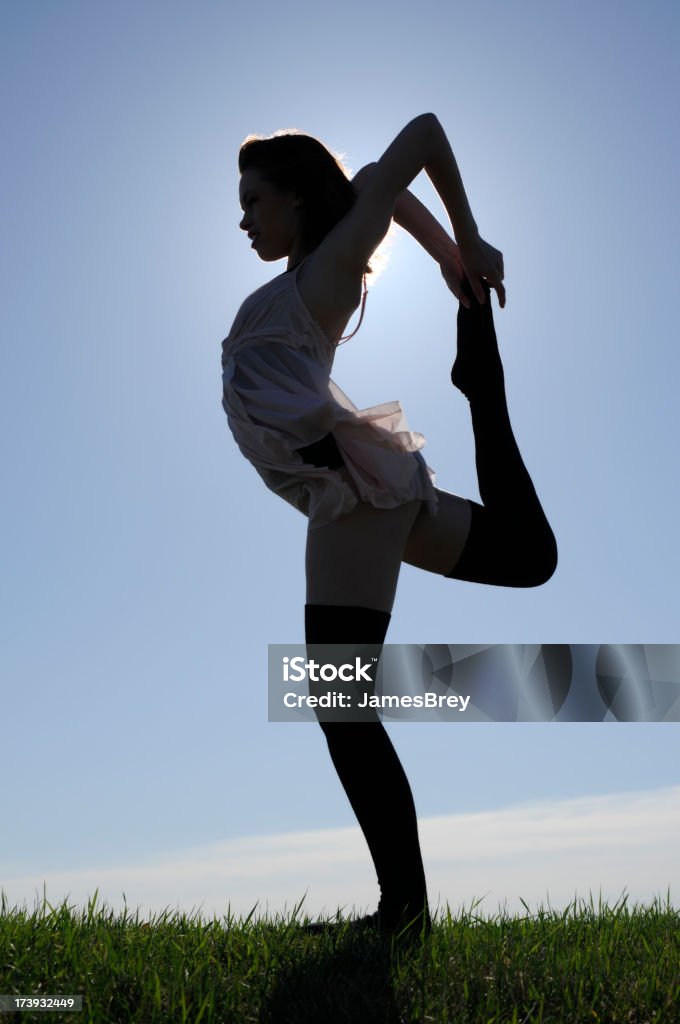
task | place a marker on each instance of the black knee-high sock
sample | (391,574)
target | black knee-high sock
(510,541)
(371,773)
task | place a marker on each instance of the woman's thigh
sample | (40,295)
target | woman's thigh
(435,543)
(356,559)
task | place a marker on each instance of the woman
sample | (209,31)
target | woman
(358,475)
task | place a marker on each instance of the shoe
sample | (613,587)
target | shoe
(410,926)
(356,925)
(403,929)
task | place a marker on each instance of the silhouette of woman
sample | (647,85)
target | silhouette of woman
(358,475)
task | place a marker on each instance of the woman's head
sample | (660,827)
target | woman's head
(301,189)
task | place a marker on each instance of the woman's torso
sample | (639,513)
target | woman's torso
(295,307)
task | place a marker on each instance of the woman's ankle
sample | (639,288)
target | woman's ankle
(477,370)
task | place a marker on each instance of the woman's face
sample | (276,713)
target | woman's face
(270,218)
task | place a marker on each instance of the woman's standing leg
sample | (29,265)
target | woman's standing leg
(352,571)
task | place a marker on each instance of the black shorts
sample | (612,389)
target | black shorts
(323,453)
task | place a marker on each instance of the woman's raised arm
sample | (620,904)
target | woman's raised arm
(422,144)
(480,259)
(414,217)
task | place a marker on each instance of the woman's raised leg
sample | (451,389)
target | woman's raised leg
(507,540)
(510,541)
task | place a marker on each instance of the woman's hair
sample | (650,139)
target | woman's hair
(298,163)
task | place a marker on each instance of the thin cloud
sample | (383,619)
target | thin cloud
(545,853)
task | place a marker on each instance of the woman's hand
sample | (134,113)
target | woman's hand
(481,260)
(453,272)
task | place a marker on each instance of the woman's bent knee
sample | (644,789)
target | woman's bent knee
(506,553)
(546,559)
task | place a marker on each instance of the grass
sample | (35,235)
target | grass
(615,966)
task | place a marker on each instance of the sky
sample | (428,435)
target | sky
(145,565)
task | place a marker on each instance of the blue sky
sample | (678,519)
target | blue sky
(146,566)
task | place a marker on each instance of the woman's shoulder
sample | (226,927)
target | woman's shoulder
(330,297)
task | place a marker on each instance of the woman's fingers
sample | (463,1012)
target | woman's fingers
(454,275)
(480,262)
(483,262)
(480,294)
